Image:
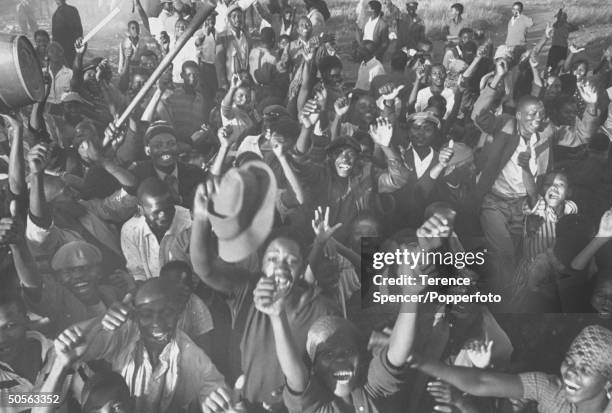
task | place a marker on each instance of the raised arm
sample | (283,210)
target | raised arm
(77,74)
(482,114)
(228,99)
(143,15)
(296,186)
(12,233)
(16,172)
(548,32)
(573,51)
(37,120)
(287,353)
(603,236)
(396,175)
(341,107)
(70,345)
(37,159)
(478,382)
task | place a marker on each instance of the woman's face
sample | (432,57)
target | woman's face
(581,383)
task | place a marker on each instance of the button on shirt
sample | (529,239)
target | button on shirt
(368,29)
(368,71)
(509,183)
(144,254)
(60,84)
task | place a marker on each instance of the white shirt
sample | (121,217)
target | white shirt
(183,372)
(143,253)
(509,183)
(167,22)
(421,165)
(60,84)
(368,71)
(425,94)
(368,29)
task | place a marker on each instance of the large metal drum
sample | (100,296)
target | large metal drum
(21,79)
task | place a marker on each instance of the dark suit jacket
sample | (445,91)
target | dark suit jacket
(189,176)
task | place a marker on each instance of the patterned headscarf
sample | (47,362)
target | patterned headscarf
(594,346)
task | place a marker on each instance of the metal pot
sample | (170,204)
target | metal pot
(21,79)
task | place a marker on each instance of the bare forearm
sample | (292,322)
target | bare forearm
(293,368)
(302,145)
(126,178)
(24,264)
(38,202)
(402,337)
(293,180)
(217,167)
(475,381)
(583,259)
(17,183)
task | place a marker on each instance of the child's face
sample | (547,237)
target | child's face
(283,43)
(555,192)
(337,364)
(602,299)
(580,384)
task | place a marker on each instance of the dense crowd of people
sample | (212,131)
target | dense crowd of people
(213,253)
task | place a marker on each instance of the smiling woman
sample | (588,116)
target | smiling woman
(586,377)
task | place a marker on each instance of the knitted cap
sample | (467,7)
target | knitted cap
(594,347)
(76,254)
(157,128)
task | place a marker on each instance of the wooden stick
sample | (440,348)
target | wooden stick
(100,25)
(196,23)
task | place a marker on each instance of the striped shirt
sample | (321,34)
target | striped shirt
(540,224)
(12,383)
